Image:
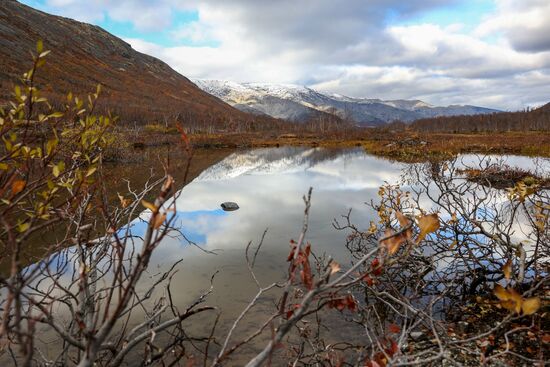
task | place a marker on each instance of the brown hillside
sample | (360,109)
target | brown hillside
(137,87)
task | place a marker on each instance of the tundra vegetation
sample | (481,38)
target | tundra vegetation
(453,272)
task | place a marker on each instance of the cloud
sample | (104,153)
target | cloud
(144,15)
(363,48)
(524,24)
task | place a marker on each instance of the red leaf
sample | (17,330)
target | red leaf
(368,280)
(393,328)
(376,267)
(391,346)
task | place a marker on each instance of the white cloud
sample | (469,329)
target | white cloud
(352,48)
(524,24)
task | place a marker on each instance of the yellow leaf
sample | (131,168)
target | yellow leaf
(17,186)
(149,206)
(23,227)
(334,267)
(39,46)
(91,171)
(404,222)
(510,305)
(530,305)
(159,219)
(393,241)
(516,297)
(507,269)
(372,228)
(427,224)
(501,293)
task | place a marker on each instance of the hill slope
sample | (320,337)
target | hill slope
(137,87)
(300,102)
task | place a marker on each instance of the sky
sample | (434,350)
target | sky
(492,53)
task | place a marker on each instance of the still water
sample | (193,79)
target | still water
(268,185)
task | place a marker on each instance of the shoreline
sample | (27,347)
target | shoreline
(404,146)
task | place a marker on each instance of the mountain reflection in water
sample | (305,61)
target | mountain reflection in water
(268,185)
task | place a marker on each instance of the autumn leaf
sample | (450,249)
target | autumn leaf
(292,309)
(17,186)
(91,171)
(393,328)
(22,227)
(516,298)
(342,303)
(500,293)
(368,280)
(334,267)
(404,222)
(393,241)
(376,267)
(511,300)
(427,224)
(372,228)
(159,219)
(149,206)
(530,305)
(392,347)
(124,202)
(507,269)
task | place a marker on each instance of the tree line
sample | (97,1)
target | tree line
(528,120)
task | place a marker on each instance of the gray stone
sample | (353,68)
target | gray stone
(229,206)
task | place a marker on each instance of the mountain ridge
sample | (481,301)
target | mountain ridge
(301,101)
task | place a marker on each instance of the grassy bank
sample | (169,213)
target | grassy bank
(407,146)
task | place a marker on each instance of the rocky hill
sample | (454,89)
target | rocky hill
(137,87)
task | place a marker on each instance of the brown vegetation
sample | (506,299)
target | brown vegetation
(529,120)
(138,88)
(505,177)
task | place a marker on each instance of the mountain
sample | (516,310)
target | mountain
(266,161)
(299,103)
(283,102)
(137,87)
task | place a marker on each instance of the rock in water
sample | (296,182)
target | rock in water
(229,206)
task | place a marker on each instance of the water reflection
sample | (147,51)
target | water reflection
(268,185)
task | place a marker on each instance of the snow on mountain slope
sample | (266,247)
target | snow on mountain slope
(270,161)
(298,103)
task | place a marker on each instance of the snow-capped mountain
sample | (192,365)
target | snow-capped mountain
(283,160)
(298,103)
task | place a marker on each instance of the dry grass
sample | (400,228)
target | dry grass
(405,146)
(503,177)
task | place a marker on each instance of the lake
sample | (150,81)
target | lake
(268,185)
